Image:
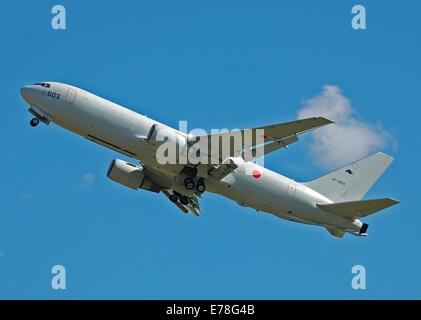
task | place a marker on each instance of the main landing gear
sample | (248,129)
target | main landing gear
(34,122)
(174,198)
(190,184)
(184,200)
(200,186)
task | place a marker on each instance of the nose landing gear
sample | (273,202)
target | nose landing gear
(34,122)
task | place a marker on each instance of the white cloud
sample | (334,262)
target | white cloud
(88,179)
(349,138)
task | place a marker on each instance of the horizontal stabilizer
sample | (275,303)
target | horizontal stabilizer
(357,209)
(335,232)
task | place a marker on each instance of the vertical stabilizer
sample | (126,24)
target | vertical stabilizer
(353,181)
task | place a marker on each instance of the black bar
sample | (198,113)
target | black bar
(208,309)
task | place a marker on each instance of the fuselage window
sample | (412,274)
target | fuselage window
(42,84)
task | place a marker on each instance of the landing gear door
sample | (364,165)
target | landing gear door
(71,95)
(291,191)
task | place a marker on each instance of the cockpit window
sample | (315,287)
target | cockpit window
(42,84)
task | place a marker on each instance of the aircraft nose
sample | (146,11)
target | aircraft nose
(25,92)
(28,93)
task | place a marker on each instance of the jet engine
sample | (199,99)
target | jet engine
(130,175)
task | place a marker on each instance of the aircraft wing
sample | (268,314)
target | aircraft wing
(247,143)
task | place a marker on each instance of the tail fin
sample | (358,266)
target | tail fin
(353,181)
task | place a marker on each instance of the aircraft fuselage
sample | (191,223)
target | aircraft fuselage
(124,130)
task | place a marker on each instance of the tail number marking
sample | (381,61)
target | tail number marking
(54,95)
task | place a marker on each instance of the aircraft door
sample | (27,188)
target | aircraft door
(71,95)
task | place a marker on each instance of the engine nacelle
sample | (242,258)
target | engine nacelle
(130,175)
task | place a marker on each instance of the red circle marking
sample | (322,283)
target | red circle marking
(256,174)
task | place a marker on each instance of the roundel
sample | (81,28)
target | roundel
(256,174)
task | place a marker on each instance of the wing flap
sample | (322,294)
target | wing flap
(224,169)
(270,147)
(294,127)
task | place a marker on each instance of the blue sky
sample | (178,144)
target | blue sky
(216,64)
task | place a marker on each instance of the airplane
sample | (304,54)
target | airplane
(333,201)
